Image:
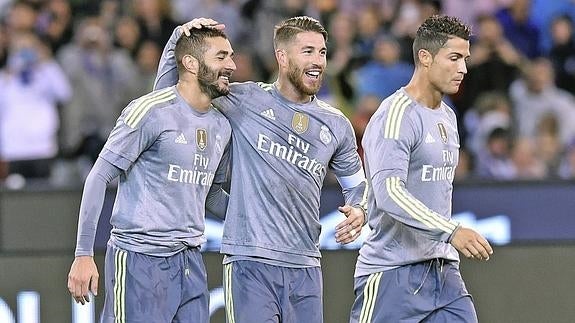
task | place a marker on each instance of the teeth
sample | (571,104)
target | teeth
(224,77)
(314,73)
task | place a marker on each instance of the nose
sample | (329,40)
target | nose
(230,64)
(462,68)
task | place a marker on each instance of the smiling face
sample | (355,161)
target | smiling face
(448,67)
(216,67)
(303,60)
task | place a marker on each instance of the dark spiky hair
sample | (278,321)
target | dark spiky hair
(195,44)
(286,30)
(435,31)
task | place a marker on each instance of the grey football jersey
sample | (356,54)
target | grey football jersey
(410,156)
(281,153)
(170,155)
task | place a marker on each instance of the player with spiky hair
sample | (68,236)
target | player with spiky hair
(170,150)
(408,267)
(285,139)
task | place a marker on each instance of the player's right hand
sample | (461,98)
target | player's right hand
(471,244)
(83,278)
(200,23)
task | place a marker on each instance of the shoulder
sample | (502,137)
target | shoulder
(249,87)
(144,106)
(328,109)
(397,105)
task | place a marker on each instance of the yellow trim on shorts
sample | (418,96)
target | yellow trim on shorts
(369,297)
(120,286)
(229,300)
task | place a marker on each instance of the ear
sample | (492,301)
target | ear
(191,64)
(425,57)
(281,57)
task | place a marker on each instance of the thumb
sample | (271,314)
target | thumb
(344,209)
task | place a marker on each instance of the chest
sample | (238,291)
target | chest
(192,144)
(281,129)
(438,143)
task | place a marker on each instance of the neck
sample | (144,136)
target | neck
(422,91)
(289,91)
(193,95)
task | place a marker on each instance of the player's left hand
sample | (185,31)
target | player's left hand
(200,23)
(349,229)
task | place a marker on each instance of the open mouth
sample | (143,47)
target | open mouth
(225,79)
(313,74)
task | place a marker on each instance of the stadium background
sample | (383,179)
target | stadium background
(526,208)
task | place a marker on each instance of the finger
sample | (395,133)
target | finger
(187,31)
(94,285)
(483,251)
(352,233)
(475,252)
(344,209)
(485,244)
(344,224)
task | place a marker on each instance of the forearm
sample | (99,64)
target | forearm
(91,206)
(217,201)
(393,199)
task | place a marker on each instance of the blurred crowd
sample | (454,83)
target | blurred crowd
(67,69)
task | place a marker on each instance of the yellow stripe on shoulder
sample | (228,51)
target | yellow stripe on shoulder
(265,86)
(145,103)
(395,116)
(329,107)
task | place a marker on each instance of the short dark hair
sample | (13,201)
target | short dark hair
(286,30)
(195,44)
(435,31)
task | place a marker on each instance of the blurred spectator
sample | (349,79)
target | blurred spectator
(22,16)
(147,59)
(224,11)
(465,167)
(494,64)
(368,29)
(365,109)
(382,75)
(31,87)
(567,166)
(549,147)
(525,161)
(535,95)
(494,159)
(55,23)
(491,110)
(154,19)
(127,35)
(519,29)
(103,82)
(341,61)
(563,52)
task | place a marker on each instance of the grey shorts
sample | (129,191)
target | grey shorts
(263,293)
(429,291)
(143,289)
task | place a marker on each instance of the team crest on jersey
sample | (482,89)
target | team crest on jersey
(300,122)
(201,138)
(325,135)
(442,132)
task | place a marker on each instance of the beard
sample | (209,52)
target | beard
(296,75)
(208,79)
